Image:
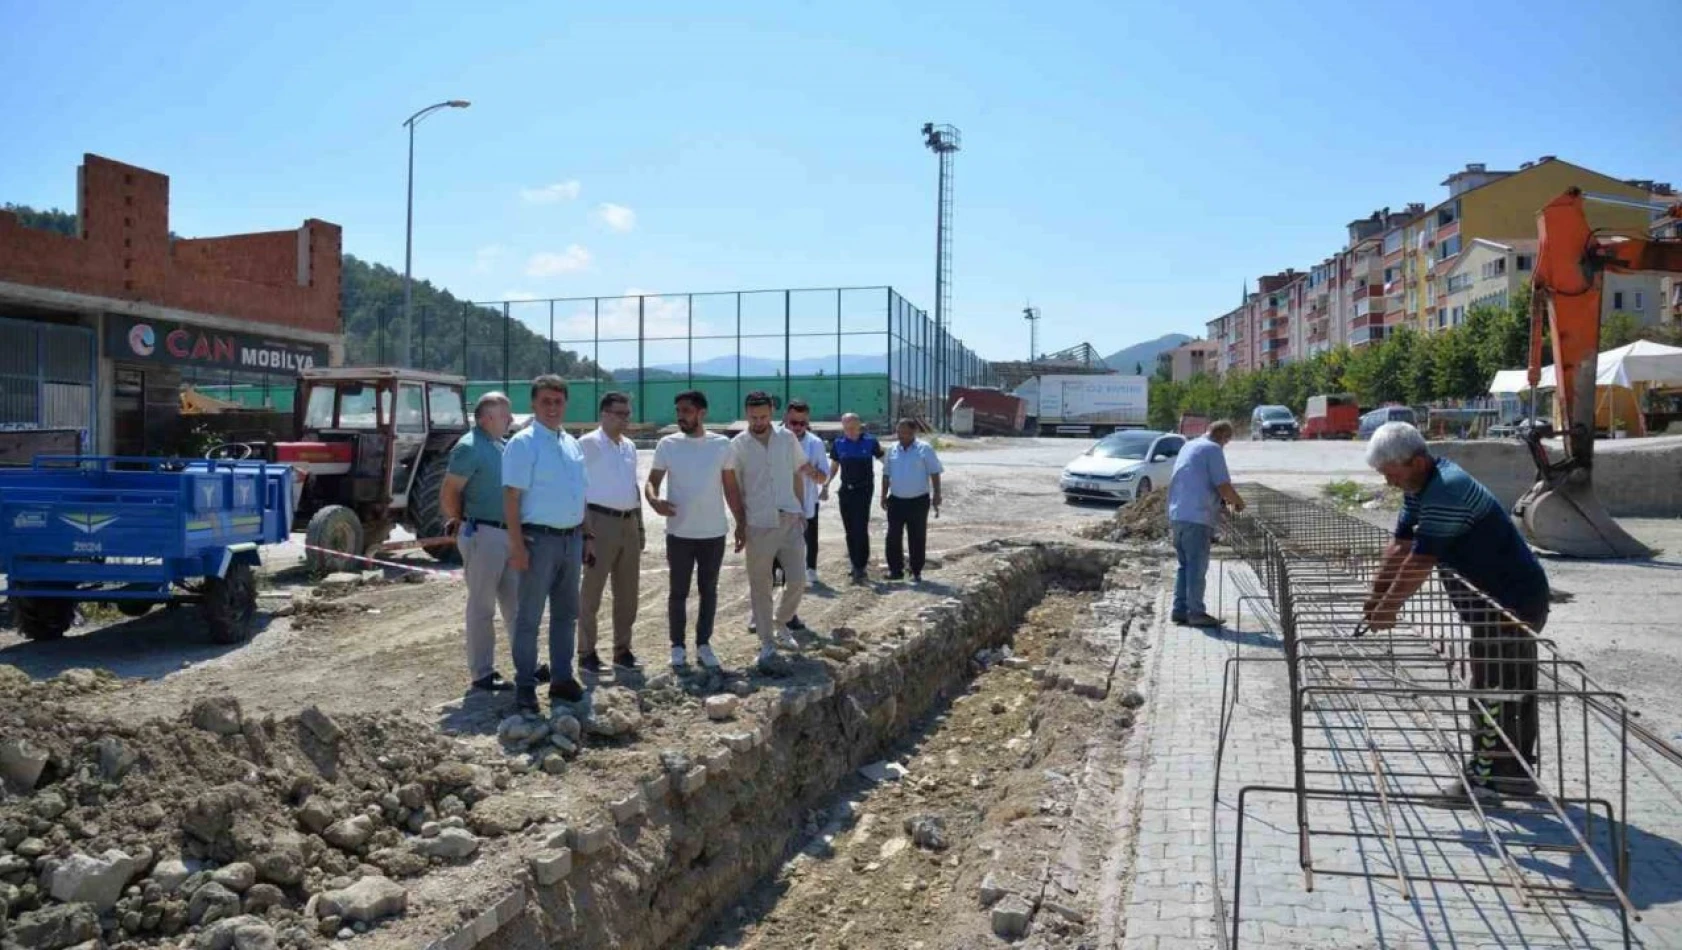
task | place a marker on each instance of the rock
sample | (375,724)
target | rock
(237,877)
(450,843)
(567,746)
(995,887)
(554,763)
(568,726)
(31,848)
(398,862)
(430,829)
(722,708)
(367,900)
(588,841)
(1011,917)
(79,679)
(341,579)
(412,795)
(115,758)
(615,712)
(315,814)
(54,927)
(170,873)
(675,762)
(453,775)
(84,879)
(21,764)
(50,805)
(883,771)
(741,688)
(148,815)
(320,724)
(550,867)
(211,903)
(350,833)
(1015,663)
(245,932)
(518,729)
(263,896)
(1133,700)
(505,814)
(927,831)
(218,714)
(210,815)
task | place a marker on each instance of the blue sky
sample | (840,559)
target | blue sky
(1126,166)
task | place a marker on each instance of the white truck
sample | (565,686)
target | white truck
(1088,406)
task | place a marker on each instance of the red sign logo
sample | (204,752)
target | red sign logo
(186,345)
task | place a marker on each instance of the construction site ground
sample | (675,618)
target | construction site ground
(1096,788)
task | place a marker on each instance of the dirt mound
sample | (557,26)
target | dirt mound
(162,827)
(1145,519)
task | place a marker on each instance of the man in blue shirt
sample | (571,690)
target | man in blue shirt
(855,455)
(1195,491)
(910,488)
(1452,523)
(543,506)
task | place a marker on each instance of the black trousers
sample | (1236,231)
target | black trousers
(687,556)
(910,517)
(855,519)
(1503,662)
(811,547)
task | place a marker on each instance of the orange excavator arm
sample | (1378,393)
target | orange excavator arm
(1561,513)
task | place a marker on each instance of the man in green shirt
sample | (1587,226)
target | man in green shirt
(471,499)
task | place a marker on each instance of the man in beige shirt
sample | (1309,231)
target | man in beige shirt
(764,485)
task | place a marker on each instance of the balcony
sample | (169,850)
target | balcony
(1366,320)
(1364,335)
(1274,345)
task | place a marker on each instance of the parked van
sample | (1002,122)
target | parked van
(1372,420)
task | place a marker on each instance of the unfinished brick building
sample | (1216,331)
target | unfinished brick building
(99,330)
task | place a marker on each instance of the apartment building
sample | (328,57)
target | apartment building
(1186,360)
(1670,285)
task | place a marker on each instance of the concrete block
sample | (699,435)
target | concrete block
(692,781)
(740,742)
(716,762)
(592,840)
(629,808)
(656,789)
(1011,917)
(549,868)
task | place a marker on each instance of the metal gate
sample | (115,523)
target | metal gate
(47,378)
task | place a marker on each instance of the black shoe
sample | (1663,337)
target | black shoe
(916,578)
(753,626)
(565,691)
(859,577)
(1177,618)
(525,700)
(895,576)
(590,663)
(626,661)
(542,674)
(1204,620)
(493,683)
(795,624)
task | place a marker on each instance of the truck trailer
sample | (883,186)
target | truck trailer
(1086,405)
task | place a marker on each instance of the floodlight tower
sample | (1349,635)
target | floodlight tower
(944,141)
(1032,315)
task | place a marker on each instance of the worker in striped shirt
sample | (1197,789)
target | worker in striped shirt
(1450,521)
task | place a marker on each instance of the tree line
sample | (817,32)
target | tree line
(1405,367)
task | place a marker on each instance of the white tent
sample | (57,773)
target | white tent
(1642,363)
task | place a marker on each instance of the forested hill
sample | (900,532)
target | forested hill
(371,297)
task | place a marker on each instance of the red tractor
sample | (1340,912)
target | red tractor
(372,448)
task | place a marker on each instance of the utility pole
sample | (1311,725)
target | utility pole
(944,141)
(409,226)
(1032,315)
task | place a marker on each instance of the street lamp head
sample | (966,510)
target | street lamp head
(458,103)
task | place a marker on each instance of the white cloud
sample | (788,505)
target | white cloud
(616,217)
(551,264)
(550,194)
(486,257)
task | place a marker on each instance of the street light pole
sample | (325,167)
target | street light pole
(409,224)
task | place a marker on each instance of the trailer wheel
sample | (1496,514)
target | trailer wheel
(230,603)
(43,618)
(426,513)
(333,532)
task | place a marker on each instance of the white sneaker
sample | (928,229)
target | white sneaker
(811,575)
(785,639)
(704,653)
(680,657)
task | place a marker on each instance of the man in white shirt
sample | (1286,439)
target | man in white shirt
(695,460)
(910,488)
(798,420)
(614,519)
(764,487)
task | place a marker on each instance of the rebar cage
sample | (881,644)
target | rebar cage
(1382,722)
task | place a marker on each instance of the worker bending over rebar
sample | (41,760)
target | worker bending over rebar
(1450,520)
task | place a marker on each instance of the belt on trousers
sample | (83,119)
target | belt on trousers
(486,523)
(545,529)
(614,512)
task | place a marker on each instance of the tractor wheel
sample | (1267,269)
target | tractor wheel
(43,618)
(333,532)
(134,608)
(230,603)
(426,513)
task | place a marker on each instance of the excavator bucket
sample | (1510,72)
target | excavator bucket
(1565,517)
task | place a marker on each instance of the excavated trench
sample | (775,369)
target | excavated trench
(684,856)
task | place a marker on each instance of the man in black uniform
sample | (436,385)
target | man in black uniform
(855,454)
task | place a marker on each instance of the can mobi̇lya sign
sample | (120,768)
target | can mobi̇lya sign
(164,342)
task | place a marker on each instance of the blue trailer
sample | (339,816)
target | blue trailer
(137,532)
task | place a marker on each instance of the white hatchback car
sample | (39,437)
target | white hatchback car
(1122,466)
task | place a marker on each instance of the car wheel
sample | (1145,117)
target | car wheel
(1144,488)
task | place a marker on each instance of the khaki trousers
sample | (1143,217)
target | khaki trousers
(785,543)
(618,546)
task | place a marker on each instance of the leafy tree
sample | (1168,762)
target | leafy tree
(1618,329)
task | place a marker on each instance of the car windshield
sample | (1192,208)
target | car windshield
(1274,412)
(1124,445)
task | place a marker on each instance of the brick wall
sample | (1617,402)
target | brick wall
(282,278)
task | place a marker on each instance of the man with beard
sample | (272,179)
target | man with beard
(696,462)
